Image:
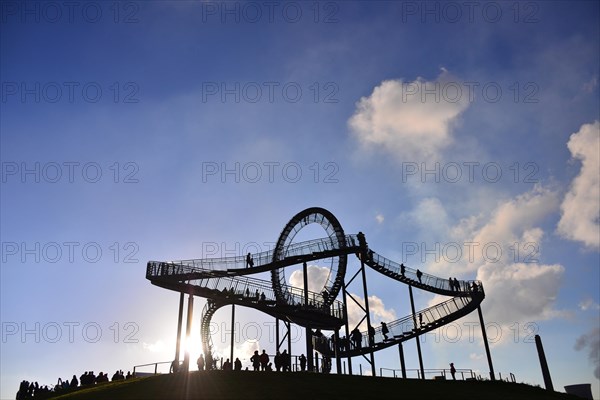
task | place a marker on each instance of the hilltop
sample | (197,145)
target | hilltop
(306,386)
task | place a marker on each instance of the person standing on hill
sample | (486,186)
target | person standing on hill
(452,371)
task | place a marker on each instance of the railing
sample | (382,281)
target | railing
(406,325)
(375,259)
(267,257)
(461,374)
(155,366)
(244,288)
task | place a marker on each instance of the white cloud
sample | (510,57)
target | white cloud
(580,208)
(591,342)
(504,253)
(378,310)
(317,276)
(157,347)
(379,218)
(407,120)
(589,304)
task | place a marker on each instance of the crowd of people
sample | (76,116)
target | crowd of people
(32,390)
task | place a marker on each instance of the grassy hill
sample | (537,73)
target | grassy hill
(306,386)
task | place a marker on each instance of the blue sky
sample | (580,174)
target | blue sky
(342,105)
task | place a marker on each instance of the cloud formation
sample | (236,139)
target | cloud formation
(580,219)
(503,251)
(411,120)
(317,276)
(591,342)
(378,312)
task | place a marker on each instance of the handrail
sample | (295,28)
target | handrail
(440,371)
(155,366)
(267,257)
(243,288)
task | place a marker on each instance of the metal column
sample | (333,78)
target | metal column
(402,365)
(309,347)
(412,306)
(232,331)
(485,342)
(366,294)
(188,329)
(179,323)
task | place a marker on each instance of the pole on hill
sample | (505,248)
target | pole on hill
(544,363)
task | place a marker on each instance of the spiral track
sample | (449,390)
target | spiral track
(228,280)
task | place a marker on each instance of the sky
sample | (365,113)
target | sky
(462,138)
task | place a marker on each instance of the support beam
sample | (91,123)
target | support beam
(188,329)
(347,328)
(366,294)
(412,306)
(309,347)
(336,348)
(485,342)
(402,364)
(232,331)
(179,323)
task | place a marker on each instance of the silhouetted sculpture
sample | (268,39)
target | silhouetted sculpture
(452,371)
(200,362)
(302,359)
(419,275)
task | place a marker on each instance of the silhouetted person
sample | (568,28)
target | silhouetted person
(402,269)
(371,334)
(286,361)
(451,283)
(420,319)
(255,359)
(227,365)
(74,382)
(247,292)
(128,376)
(452,371)
(419,275)
(456,285)
(384,330)
(277,360)
(249,261)
(256,295)
(263,297)
(475,287)
(200,362)
(356,338)
(237,364)
(302,359)
(264,360)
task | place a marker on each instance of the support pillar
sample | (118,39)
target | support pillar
(402,364)
(179,323)
(336,351)
(309,346)
(232,331)
(485,342)
(412,306)
(347,328)
(366,294)
(188,329)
